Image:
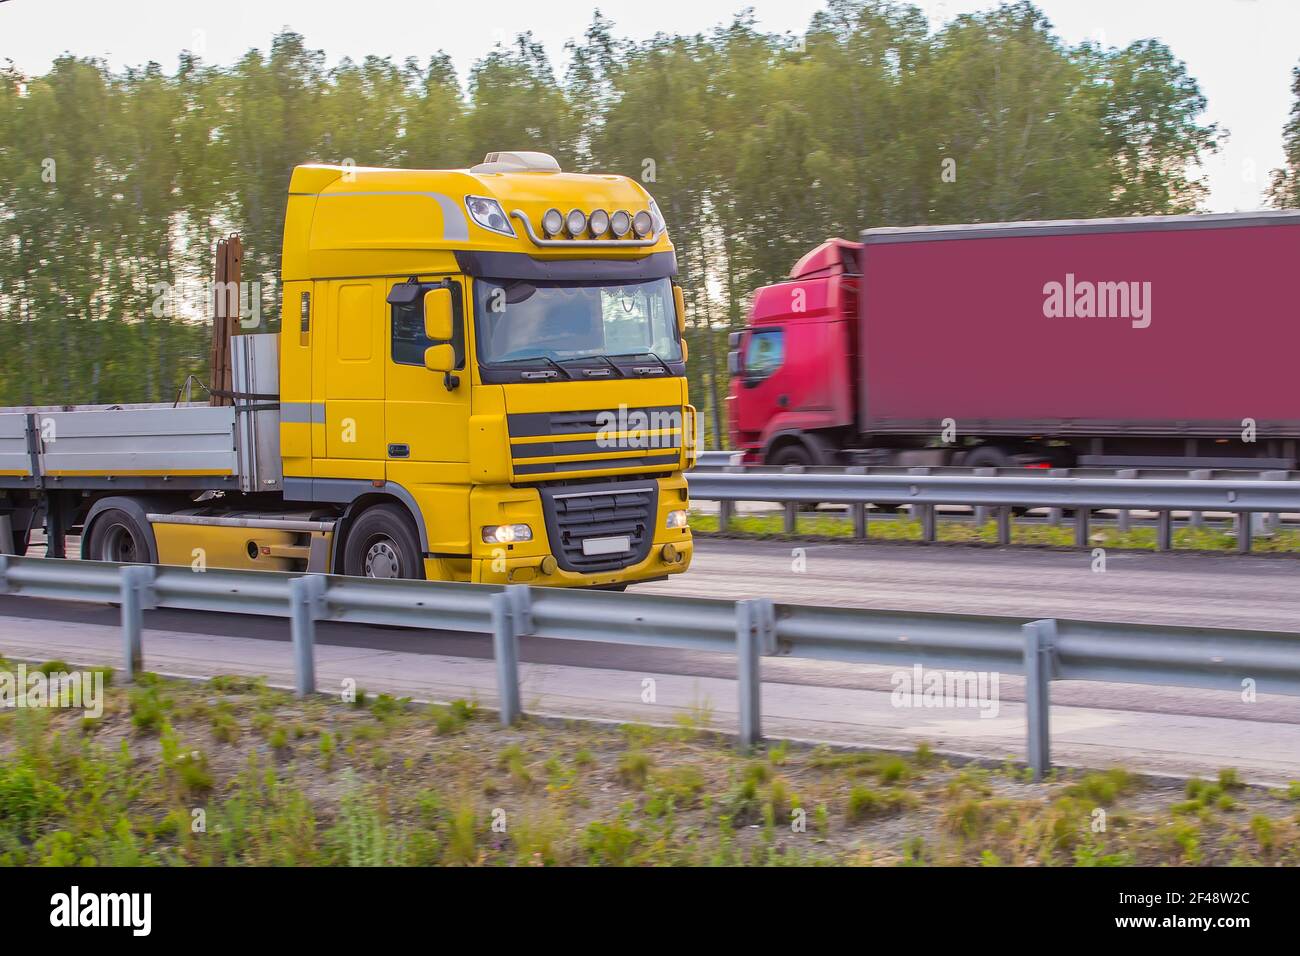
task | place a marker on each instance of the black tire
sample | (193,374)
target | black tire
(991,456)
(118,537)
(382,543)
(987,456)
(794,454)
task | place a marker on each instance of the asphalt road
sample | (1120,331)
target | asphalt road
(1224,590)
(586,677)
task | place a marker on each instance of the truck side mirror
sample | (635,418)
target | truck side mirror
(440,358)
(733,363)
(679,301)
(438,316)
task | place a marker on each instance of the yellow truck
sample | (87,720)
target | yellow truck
(479,376)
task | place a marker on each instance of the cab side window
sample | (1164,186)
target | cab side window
(764,353)
(407,302)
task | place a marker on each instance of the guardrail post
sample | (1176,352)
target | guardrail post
(1054,515)
(1244,530)
(1164,531)
(792,507)
(134,585)
(6,534)
(1122,517)
(982,512)
(1004,524)
(1268,522)
(505,648)
(858,511)
(1081,517)
(754,633)
(927,515)
(1040,651)
(726,509)
(305,597)
(1197,518)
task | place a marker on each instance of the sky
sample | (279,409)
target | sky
(1240,51)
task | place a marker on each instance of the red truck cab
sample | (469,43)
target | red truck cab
(791,367)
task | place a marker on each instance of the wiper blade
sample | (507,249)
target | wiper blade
(537,358)
(654,355)
(605,359)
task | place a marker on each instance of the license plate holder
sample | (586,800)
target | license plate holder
(617,544)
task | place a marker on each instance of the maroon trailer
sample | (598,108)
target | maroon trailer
(1165,340)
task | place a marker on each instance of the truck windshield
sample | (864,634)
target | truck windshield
(522,319)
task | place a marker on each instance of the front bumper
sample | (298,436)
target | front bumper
(541,561)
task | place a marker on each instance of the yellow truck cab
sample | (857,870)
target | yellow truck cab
(480,377)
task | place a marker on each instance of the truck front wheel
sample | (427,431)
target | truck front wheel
(383,544)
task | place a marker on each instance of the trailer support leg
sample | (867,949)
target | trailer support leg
(56,525)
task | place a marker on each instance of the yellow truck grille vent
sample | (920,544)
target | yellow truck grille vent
(549,443)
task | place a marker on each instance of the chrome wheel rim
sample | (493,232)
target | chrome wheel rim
(118,545)
(382,560)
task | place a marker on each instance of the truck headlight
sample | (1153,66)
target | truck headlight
(488,214)
(676,519)
(506,533)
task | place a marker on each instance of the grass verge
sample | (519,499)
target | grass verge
(820,525)
(231,772)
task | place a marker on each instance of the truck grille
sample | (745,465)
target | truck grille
(577,433)
(576,513)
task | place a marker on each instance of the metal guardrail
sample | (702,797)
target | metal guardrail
(717,459)
(1041,650)
(733,461)
(1001,493)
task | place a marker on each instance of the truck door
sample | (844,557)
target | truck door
(762,356)
(427,419)
(353,365)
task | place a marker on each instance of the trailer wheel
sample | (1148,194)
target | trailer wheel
(383,544)
(116,536)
